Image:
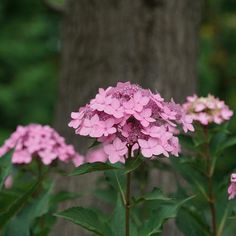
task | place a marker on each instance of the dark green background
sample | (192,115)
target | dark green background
(29,55)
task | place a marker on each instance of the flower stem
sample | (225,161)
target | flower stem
(127,205)
(211,197)
(127,198)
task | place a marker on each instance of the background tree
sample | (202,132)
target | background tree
(150,42)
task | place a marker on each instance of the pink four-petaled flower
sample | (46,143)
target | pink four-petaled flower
(115,150)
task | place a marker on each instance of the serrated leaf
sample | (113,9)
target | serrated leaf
(154,223)
(88,219)
(92,167)
(21,224)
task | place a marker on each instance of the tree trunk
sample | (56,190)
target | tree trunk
(149,42)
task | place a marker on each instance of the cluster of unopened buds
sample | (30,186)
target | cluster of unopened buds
(128,117)
(206,110)
(41,142)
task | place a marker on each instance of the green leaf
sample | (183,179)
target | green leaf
(64,196)
(15,207)
(5,168)
(228,143)
(92,167)
(116,180)
(155,194)
(190,222)
(132,164)
(191,170)
(117,220)
(107,195)
(88,219)
(216,142)
(154,223)
(22,223)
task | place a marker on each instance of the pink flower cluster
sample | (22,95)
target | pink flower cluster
(207,110)
(232,187)
(128,116)
(41,142)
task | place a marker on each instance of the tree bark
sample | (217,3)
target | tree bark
(149,42)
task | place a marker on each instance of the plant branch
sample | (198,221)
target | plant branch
(127,197)
(210,172)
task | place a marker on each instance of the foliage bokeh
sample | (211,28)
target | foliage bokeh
(29,47)
(29,55)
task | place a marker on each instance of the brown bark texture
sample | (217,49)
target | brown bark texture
(149,42)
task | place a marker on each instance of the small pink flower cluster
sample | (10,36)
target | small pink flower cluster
(128,116)
(232,187)
(207,110)
(41,142)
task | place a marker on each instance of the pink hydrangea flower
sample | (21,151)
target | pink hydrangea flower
(116,150)
(206,110)
(38,141)
(232,187)
(129,117)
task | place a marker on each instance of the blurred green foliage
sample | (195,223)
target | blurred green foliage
(29,45)
(217,56)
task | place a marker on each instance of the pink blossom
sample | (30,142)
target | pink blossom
(232,187)
(151,147)
(206,110)
(114,108)
(108,127)
(37,141)
(88,126)
(145,117)
(128,116)
(116,150)
(78,160)
(8,182)
(96,155)
(101,100)
(155,131)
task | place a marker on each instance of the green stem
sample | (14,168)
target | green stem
(127,198)
(127,205)
(211,197)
